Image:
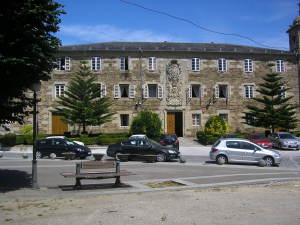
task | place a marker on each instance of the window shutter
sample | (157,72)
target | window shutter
(116,91)
(131,91)
(67,63)
(201,91)
(145,91)
(217,91)
(103,90)
(190,91)
(159,91)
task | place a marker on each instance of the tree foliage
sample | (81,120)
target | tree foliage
(272,109)
(27,52)
(81,103)
(215,125)
(147,123)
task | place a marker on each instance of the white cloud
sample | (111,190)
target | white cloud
(103,33)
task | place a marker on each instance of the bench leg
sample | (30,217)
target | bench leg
(118,181)
(77,184)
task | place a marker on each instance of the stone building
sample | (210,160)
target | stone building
(184,83)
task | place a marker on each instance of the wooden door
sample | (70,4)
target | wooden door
(58,126)
(171,123)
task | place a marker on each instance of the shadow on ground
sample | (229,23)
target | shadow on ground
(11,180)
(93,187)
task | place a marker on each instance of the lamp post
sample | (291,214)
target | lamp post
(35,88)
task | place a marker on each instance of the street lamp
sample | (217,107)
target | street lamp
(35,88)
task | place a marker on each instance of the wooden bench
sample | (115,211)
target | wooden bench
(97,170)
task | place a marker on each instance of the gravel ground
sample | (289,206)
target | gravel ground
(275,203)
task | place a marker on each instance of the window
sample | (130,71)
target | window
(124,91)
(96,63)
(123,63)
(282,93)
(279,66)
(152,91)
(249,118)
(232,144)
(63,64)
(196,119)
(248,65)
(124,118)
(224,116)
(152,63)
(221,91)
(102,89)
(195,64)
(195,91)
(222,65)
(248,91)
(248,146)
(59,90)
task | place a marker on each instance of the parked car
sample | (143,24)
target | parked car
(284,140)
(261,140)
(242,150)
(63,137)
(142,146)
(55,147)
(169,140)
(138,136)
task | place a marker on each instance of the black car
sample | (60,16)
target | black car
(138,146)
(169,140)
(55,147)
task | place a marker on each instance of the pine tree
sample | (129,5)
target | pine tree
(81,104)
(273,109)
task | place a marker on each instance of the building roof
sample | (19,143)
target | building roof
(169,46)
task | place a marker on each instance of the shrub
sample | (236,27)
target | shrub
(8,140)
(146,123)
(115,135)
(215,125)
(108,140)
(206,139)
(26,129)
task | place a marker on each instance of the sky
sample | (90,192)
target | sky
(264,21)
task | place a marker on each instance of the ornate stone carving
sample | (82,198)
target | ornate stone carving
(174,84)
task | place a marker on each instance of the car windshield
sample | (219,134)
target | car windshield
(70,142)
(286,136)
(259,137)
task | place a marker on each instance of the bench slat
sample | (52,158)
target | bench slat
(97,175)
(97,165)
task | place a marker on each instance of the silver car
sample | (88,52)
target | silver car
(284,140)
(242,150)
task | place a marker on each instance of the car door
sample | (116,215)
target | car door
(234,150)
(252,152)
(145,147)
(129,147)
(59,146)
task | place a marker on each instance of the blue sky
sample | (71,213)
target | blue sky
(265,21)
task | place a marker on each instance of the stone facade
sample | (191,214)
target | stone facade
(165,77)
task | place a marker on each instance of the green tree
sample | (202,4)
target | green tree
(27,52)
(215,125)
(84,103)
(272,109)
(147,123)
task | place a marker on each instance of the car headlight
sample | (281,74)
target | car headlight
(172,152)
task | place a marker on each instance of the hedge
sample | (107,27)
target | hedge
(8,140)
(206,139)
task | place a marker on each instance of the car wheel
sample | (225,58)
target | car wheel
(221,159)
(269,161)
(161,157)
(38,155)
(52,156)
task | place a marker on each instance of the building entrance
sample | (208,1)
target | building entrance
(174,123)
(58,126)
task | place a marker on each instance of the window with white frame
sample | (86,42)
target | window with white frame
(124,91)
(248,65)
(282,93)
(152,91)
(221,91)
(224,116)
(195,91)
(96,63)
(196,119)
(124,120)
(123,63)
(102,88)
(222,65)
(152,63)
(59,90)
(63,64)
(195,64)
(279,65)
(248,91)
